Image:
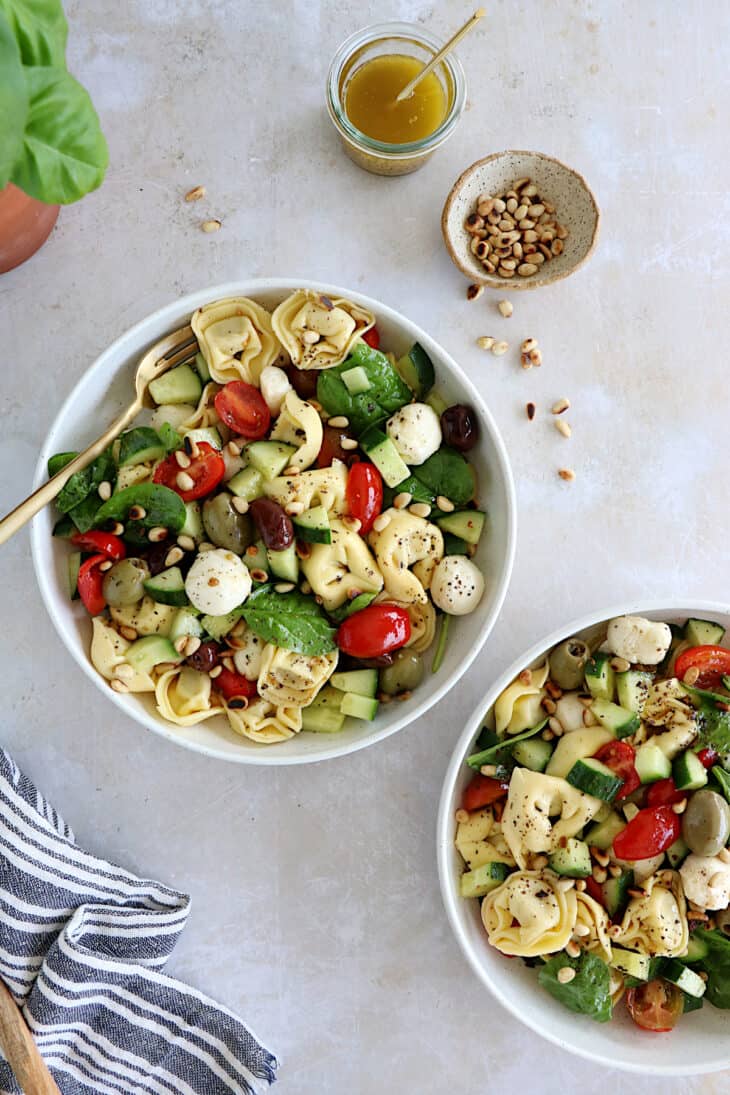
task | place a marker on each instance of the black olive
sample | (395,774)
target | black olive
(459,427)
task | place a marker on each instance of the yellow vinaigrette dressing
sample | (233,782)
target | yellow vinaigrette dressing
(370,100)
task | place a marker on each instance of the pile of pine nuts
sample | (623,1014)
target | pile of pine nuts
(516,232)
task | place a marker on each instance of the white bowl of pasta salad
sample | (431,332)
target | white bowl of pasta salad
(583,838)
(299,546)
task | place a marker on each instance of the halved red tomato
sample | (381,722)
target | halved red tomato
(709,756)
(664,793)
(619,756)
(374,630)
(234,685)
(364,494)
(651,831)
(372,337)
(656,1005)
(89,584)
(482,791)
(713,663)
(206,471)
(98,541)
(243,409)
(595,890)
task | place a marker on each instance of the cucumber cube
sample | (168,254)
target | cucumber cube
(363,682)
(616,719)
(600,677)
(573,861)
(144,654)
(689,772)
(651,763)
(355,380)
(482,880)
(179,385)
(359,707)
(247,484)
(270,457)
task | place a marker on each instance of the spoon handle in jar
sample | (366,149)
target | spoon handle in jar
(453,41)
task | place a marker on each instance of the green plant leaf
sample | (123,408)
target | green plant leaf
(64,153)
(588,993)
(13,101)
(163,509)
(290,620)
(40,29)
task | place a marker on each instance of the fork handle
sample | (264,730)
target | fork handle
(21,1052)
(14,521)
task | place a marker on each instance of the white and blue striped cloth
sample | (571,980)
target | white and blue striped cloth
(82,948)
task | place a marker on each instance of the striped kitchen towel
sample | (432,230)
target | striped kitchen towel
(82,948)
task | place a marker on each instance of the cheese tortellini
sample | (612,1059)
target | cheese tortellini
(518,707)
(108,650)
(317,487)
(594,925)
(656,923)
(300,425)
(264,722)
(542,811)
(531,913)
(345,564)
(317,332)
(236,338)
(205,414)
(407,541)
(289,679)
(184,696)
(422,615)
(480,840)
(147,617)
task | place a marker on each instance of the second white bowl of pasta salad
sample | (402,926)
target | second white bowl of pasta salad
(303,541)
(583,838)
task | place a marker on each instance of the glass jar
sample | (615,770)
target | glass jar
(379,157)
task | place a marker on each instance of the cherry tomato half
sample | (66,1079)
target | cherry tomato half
(664,793)
(89,583)
(709,757)
(482,791)
(374,630)
(655,1006)
(713,663)
(233,686)
(206,470)
(595,890)
(243,409)
(364,494)
(372,337)
(651,831)
(619,756)
(110,546)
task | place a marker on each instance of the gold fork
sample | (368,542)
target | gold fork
(171,350)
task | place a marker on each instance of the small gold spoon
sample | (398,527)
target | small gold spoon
(171,350)
(469,25)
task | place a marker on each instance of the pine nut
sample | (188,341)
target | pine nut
(503,273)
(348,443)
(680,807)
(539,862)
(419,509)
(572,950)
(181,643)
(565,974)
(484,342)
(474,292)
(535,357)
(445,504)
(547,735)
(184,481)
(215,672)
(106,565)
(567,474)
(527,269)
(561,405)
(211,225)
(692,675)
(505,308)
(582,930)
(557,247)
(549,706)
(525,361)
(128,633)
(233,449)
(565,884)
(284,587)
(182,459)
(402,500)
(528,345)
(620,665)
(339,422)
(488,770)
(600,857)
(525,677)
(118,528)
(186,543)
(724,855)
(500,348)
(104,490)
(124,671)
(580,885)
(119,686)
(461,816)
(562,427)
(137,513)
(508,264)
(259,575)
(173,556)
(530,408)
(195,194)
(192,645)
(292,471)
(599,874)
(294,509)
(562,232)
(157,534)
(615,871)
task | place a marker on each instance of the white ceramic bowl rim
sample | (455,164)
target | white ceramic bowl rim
(445,828)
(133,341)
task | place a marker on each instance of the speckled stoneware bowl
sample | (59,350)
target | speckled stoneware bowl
(576,209)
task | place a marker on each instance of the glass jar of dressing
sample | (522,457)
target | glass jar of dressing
(368,71)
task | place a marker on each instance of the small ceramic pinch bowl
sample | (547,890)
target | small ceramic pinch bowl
(575,208)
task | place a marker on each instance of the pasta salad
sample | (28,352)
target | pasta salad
(286,534)
(595,828)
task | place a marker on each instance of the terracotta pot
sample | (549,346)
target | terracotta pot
(25,225)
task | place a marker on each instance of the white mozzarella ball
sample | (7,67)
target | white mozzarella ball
(638,640)
(247,658)
(457,585)
(217,582)
(274,384)
(706,881)
(415,430)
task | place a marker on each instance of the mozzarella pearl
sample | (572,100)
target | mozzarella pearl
(217,582)
(638,640)
(457,585)
(706,881)
(415,430)
(274,384)
(247,659)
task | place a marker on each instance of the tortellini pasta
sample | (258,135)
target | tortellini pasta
(265,723)
(541,811)
(422,615)
(236,339)
(249,651)
(148,617)
(318,487)
(592,923)
(531,913)
(205,414)
(108,650)
(317,332)
(656,923)
(184,696)
(518,707)
(407,541)
(289,679)
(300,425)
(346,564)
(575,746)
(480,840)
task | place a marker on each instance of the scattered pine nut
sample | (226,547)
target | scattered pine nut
(340,422)
(485,342)
(500,348)
(128,633)
(581,930)
(233,449)
(124,671)
(173,556)
(402,500)
(474,292)
(528,345)
(215,672)
(211,226)
(505,308)
(348,443)
(192,644)
(561,405)
(181,643)
(106,565)
(284,587)
(195,194)
(137,513)
(573,950)
(294,509)
(692,675)
(562,427)
(580,885)
(488,770)
(567,474)
(445,504)
(240,505)
(186,543)
(182,459)
(119,686)
(291,471)
(535,357)
(530,408)
(184,481)
(259,575)
(679,808)
(461,816)
(525,677)
(599,875)
(525,361)
(104,491)
(157,534)
(621,665)
(419,509)
(381,521)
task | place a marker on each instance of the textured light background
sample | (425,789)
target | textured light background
(316,905)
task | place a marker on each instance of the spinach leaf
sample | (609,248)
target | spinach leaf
(349,607)
(40,30)
(447,473)
(84,515)
(714,730)
(722,778)
(64,527)
(387,392)
(163,508)
(14,102)
(588,993)
(716,965)
(501,749)
(59,461)
(418,491)
(291,620)
(169,437)
(82,483)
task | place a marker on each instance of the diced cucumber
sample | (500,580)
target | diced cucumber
(269,457)
(74,566)
(364,682)
(179,385)
(697,949)
(218,626)
(247,484)
(256,558)
(616,893)
(533,754)
(684,978)
(193,523)
(167,587)
(467,524)
(617,719)
(454,545)
(482,880)
(437,401)
(201,367)
(144,654)
(676,853)
(138,445)
(632,688)
(284,564)
(703,632)
(186,622)
(691,1003)
(631,963)
(359,707)
(209,434)
(313,526)
(323,715)
(602,834)
(416,369)
(574,860)
(600,677)
(651,763)
(355,380)
(383,453)
(575,746)
(595,778)
(688,772)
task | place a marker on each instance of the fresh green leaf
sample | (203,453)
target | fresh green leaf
(722,778)
(163,509)
(589,993)
(350,607)
(387,392)
(83,483)
(59,461)
(290,620)
(441,644)
(691,1003)
(716,965)
(40,30)
(14,101)
(502,746)
(84,515)
(714,730)
(169,437)
(64,527)
(447,473)
(418,491)
(64,154)
(702,696)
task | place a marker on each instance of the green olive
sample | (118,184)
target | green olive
(404,674)
(224,526)
(568,662)
(706,823)
(122,583)
(722,921)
